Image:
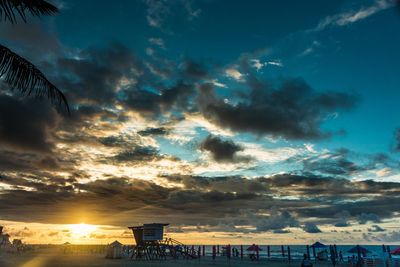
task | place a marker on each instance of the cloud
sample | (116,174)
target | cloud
(157,10)
(277,221)
(158,42)
(222,150)
(27,125)
(137,154)
(332,163)
(349,17)
(363,218)
(196,200)
(94,76)
(293,111)
(376,228)
(310,227)
(154,131)
(234,74)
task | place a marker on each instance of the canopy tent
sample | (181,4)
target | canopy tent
(254,247)
(360,249)
(318,245)
(114,250)
(396,251)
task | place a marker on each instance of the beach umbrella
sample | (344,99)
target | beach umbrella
(318,245)
(253,247)
(396,251)
(359,249)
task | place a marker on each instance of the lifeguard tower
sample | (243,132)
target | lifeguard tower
(151,244)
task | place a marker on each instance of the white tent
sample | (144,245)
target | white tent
(114,250)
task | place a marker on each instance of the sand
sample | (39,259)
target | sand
(55,258)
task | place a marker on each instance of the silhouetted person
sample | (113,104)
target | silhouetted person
(306,262)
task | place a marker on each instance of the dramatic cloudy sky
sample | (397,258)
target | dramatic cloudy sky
(265,121)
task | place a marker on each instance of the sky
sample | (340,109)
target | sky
(270,122)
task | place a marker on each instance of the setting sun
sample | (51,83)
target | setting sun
(81,230)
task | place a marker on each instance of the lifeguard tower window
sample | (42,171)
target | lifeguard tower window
(153,232)
(148,233)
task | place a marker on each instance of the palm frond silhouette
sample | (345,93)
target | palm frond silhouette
(17,72)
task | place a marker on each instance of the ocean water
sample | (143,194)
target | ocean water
(297,251)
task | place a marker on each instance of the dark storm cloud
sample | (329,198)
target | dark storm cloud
(364,218)
(194,69)
(312,228)
(154,131)
(294,110)
(222,150)
(262,203)
(138,154)
(332,163)
(95,73)
(277,221)
(150,103)
(99,78)
(236,184)
(11,161)
(27,125)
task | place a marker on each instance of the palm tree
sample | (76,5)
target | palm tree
(18,72)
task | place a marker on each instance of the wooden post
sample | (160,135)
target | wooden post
(288,253)
(308,252)
(257,253)
(283,251)
(335,250)
(199,252)
(214,252)
(269,251)
(241,252)
(204,250)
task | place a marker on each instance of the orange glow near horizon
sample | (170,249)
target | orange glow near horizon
(81,230)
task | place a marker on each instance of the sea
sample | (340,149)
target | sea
(297,251)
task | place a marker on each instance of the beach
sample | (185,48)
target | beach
(55,257)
